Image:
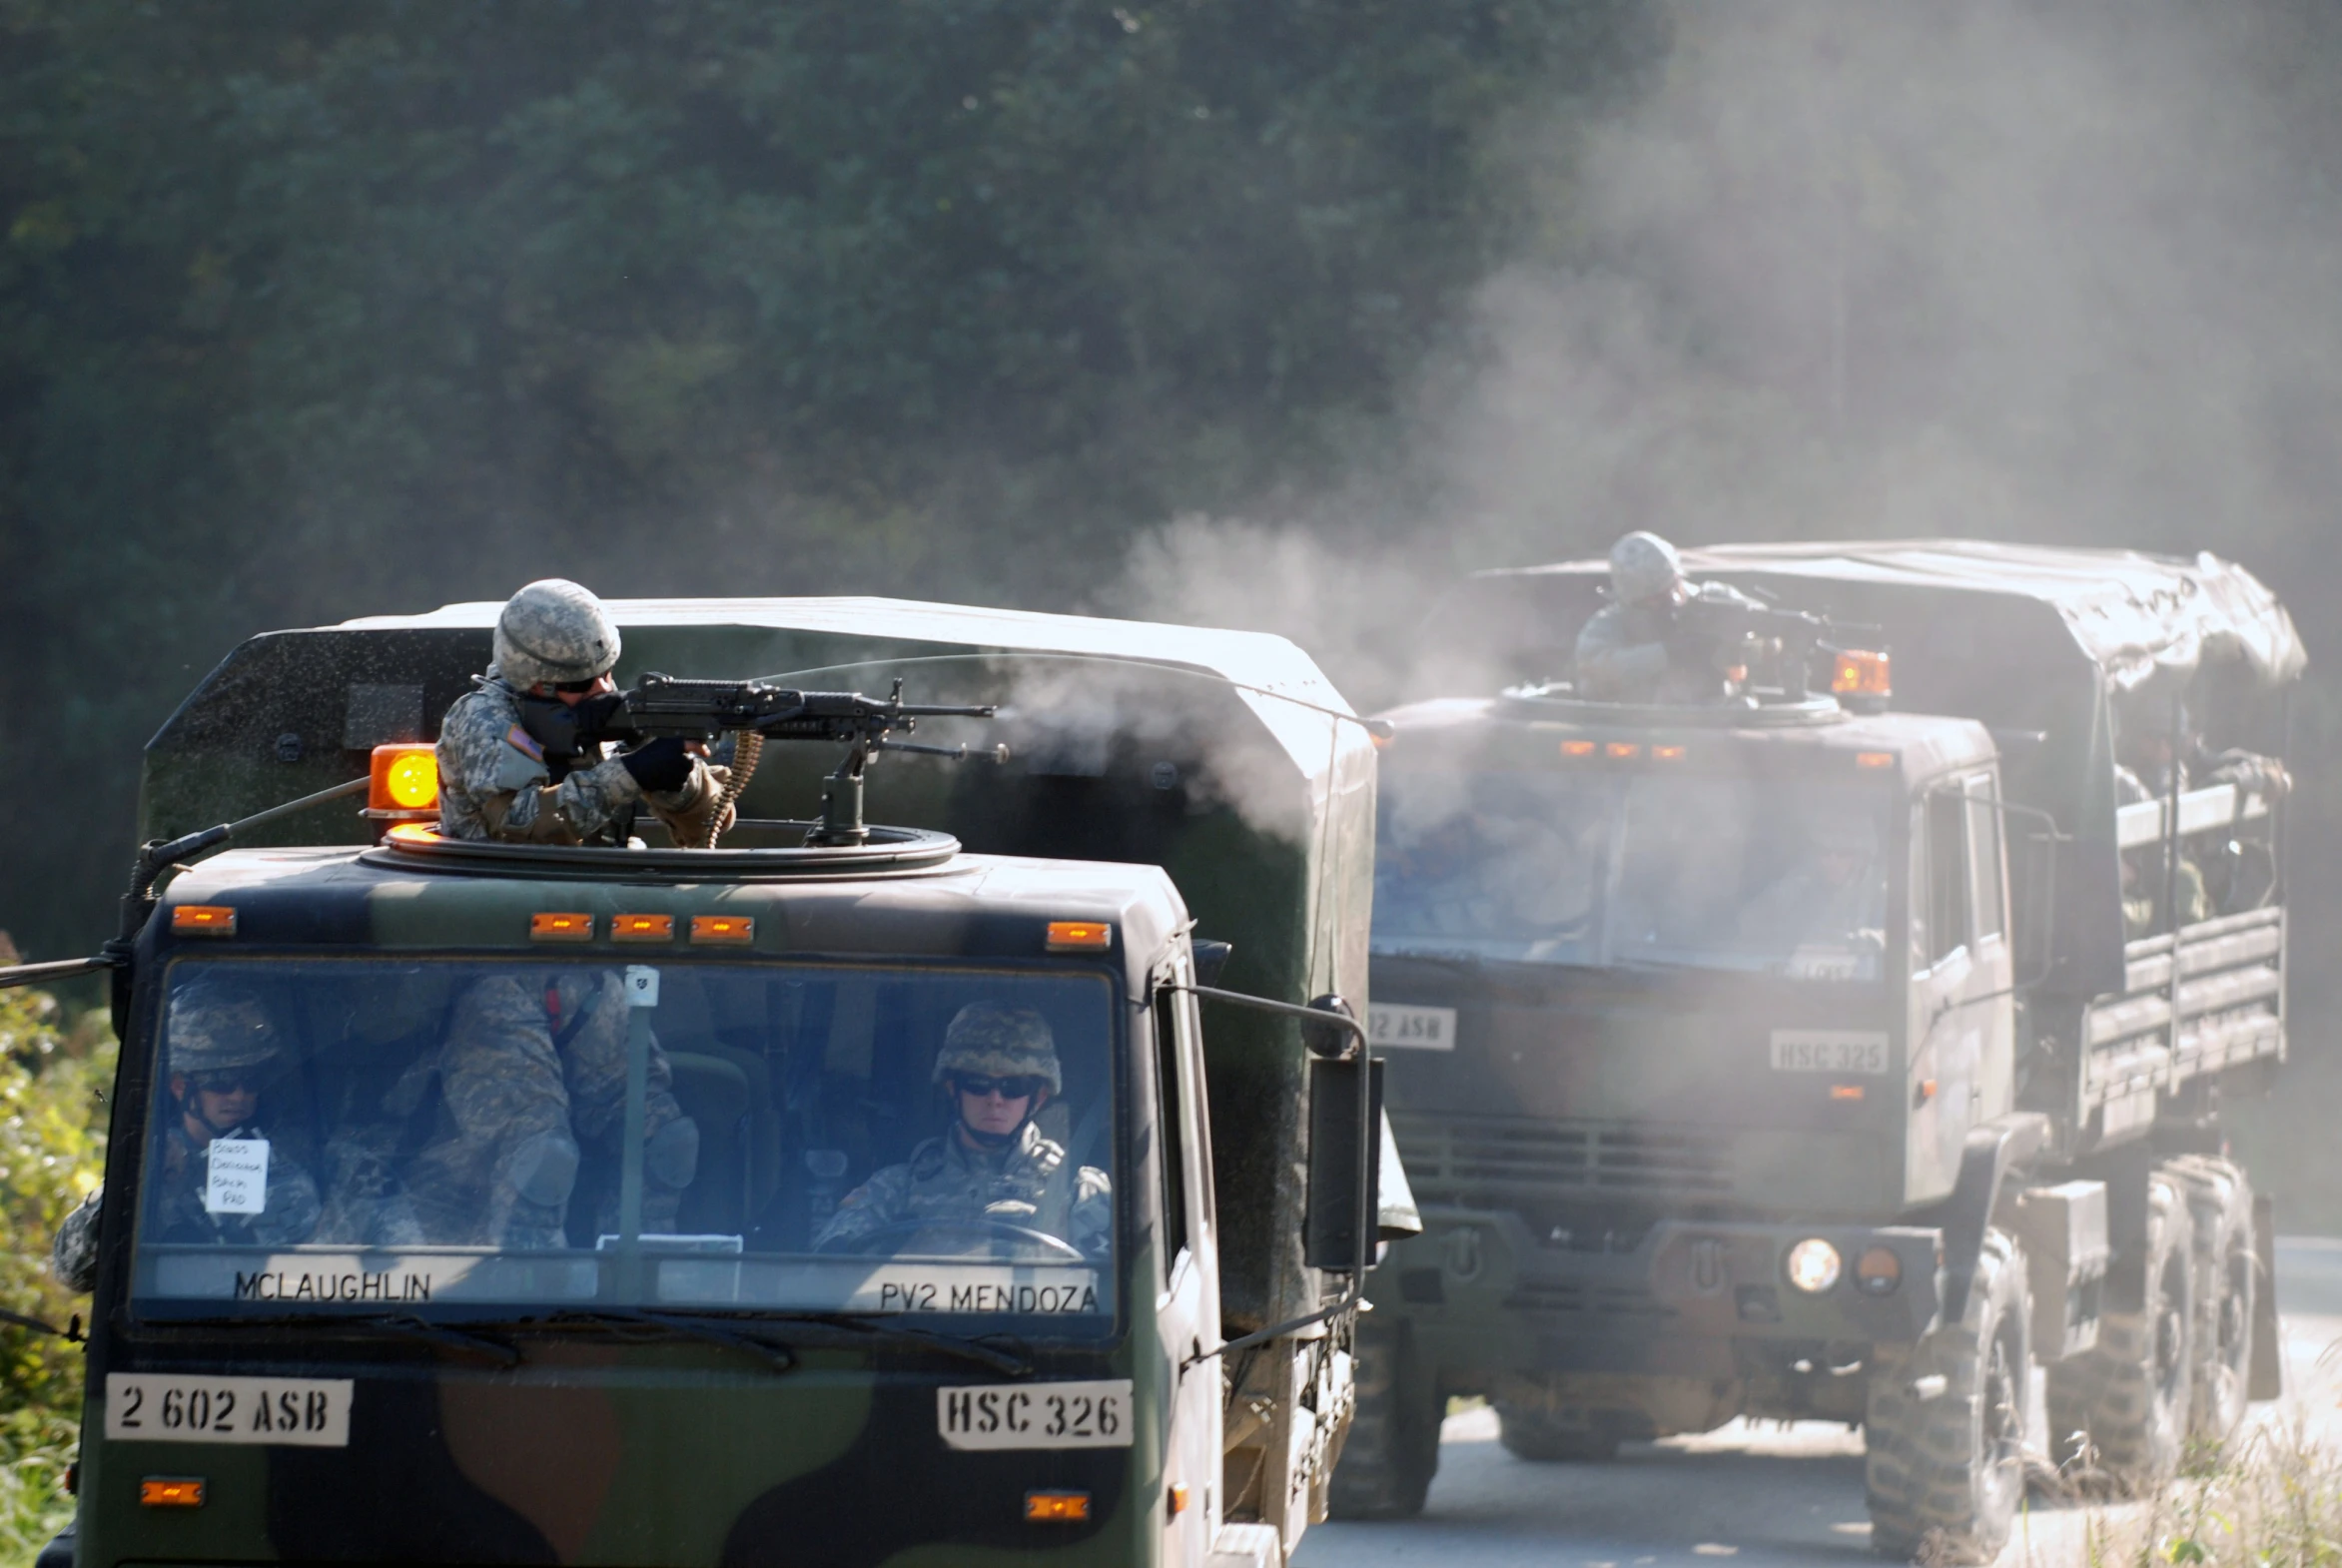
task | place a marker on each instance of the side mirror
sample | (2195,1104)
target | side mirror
(1339,1229)
(1210,958)
(1330,1039)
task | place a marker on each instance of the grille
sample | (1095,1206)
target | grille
(1608,1300)
(1459,1157)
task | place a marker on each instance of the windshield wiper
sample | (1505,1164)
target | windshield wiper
(455,1337)
(777,1356)
(967,1347)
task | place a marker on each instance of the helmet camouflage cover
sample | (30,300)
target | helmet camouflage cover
(1643,568)
(553,631)
(213,1026)
(998,1042)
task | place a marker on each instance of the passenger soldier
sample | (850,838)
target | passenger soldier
(497,781)
(532,1076)
(998,1068)
(1648,644)
(224,1051)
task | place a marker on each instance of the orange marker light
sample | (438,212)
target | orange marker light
(1080,936)
(1874,759)
(642,928)
(1177,1501)
(404,781)
(550,926)
(1577,749)
(203,920)
(1667,754)
(1057,1507)
(172,1491)
(1858,673)
(1623,749)
(738,929)
(1878,1272)
(1846,1091)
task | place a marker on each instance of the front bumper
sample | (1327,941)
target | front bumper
(1479,1289)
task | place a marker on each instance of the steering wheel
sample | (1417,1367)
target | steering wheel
(867,1241)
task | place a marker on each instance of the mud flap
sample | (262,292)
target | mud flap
(2267,1379)
(1246,1546)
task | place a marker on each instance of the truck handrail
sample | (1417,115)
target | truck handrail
(2143,822)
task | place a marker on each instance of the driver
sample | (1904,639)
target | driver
(1828,896)
(998,1068)
(224,1052)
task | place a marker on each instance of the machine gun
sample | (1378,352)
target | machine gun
(1717,616)
(706,710)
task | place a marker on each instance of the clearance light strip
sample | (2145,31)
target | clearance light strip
(203,920)
(642,928)
(734,930)
(553,925)
(1080,936)
(171,1491)
(1057,1507)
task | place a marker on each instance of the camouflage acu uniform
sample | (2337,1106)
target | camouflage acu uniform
(289,1215)
(73,1257)
(1027,1182)
(494,781)
(1650,652)
(531,1076)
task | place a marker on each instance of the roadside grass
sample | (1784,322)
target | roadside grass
(2271,1499)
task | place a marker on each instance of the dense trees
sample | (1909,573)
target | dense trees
(316,311)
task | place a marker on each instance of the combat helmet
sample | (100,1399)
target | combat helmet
(553,631)
(1644,569)
(994,1040)
(215,1026)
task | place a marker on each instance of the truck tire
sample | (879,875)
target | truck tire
(2130,1395)
(1946,1464)
(1546,1438)
(2228,1278)
(1392,1450)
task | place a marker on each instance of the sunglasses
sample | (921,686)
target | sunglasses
(229,1080)
(1019,1087)
(578,688)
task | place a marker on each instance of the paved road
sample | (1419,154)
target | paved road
(1764,1496)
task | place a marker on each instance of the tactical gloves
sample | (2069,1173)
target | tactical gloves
(659,765)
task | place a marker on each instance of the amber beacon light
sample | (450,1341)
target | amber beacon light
(404,784)
(1860,680)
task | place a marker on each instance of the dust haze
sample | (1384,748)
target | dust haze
(2059,273)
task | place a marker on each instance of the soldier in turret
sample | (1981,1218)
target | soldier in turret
(1649,643)
(998,1068)
(497,780)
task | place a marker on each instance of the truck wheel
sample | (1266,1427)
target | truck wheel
(1392,1450)
(2227,1277)
(1547,1438)
(1946,1428)
(2130,1394)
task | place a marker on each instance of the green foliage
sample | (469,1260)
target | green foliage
(307,311)
(53,1082)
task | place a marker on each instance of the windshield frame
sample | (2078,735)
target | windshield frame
(139,1080)
(1829,768)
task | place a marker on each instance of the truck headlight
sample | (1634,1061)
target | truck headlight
(1813,1265)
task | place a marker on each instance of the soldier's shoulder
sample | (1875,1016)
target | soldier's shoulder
(926,1162)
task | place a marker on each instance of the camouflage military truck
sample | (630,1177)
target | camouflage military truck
(474,1203)
(1840,1057)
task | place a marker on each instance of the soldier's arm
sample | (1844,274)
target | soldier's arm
(1608,663)
(1093,1219)
(293,1205)
(73,1257)
(875,1204)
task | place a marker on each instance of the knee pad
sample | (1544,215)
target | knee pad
(543,1169)
(672,1155)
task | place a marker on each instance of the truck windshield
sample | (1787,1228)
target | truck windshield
(411,1133)
(1773,876)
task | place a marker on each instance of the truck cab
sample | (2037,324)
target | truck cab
(773,1202)
(1801,1058)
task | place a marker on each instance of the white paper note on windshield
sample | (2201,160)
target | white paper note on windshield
(238,1180)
